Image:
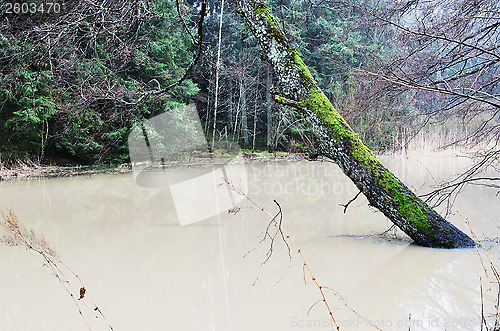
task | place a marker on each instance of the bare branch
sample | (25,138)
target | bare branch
(349,202)
(198,52)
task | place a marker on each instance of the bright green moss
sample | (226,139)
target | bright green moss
(319,104)
(262,10)
(304,72)
(402,201)
(277,35)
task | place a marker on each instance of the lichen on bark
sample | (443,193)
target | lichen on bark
(297,88)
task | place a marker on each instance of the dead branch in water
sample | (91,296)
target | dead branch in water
(286,237)
(268,234)
(18,235)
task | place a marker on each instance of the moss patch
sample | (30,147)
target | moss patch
(296,82)
(262,10)
(316,102)
(404,202)
(303,71)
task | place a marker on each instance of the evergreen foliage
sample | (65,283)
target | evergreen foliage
(74,84)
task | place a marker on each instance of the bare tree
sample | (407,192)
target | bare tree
(448,52)
(217,69)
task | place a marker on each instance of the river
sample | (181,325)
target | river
(171,257)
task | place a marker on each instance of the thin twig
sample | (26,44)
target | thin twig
(305,265)
(477,246)
(349,202)
(197,57)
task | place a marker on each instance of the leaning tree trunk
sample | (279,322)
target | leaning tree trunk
(295,87)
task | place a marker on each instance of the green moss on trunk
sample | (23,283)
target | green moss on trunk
(319,104)
(338,141)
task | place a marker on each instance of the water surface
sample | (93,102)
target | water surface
(145,271)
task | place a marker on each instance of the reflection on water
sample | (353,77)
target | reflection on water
(147,272)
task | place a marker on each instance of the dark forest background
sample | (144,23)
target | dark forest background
(73,84)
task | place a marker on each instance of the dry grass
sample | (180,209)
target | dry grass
(18,235)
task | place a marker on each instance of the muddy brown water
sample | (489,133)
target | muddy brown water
(171,257)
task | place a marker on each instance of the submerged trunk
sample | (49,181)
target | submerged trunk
(295,87)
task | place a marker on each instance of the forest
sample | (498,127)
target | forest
(374,91)
(74,83)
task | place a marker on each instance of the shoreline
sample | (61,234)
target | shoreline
(29,170)
(26,171)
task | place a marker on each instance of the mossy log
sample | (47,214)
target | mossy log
(295,87)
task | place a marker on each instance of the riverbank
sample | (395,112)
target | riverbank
(30,170)
(25,171)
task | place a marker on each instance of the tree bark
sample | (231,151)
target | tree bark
(244,114)
(269,117)
(217,71)
(230,106)
(295,87)
(254,133)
